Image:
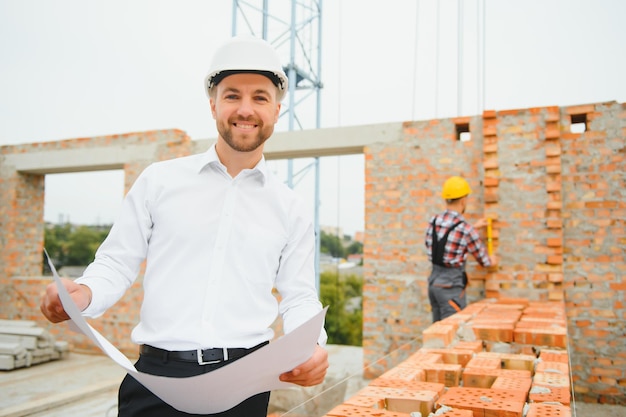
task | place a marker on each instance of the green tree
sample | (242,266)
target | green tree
(344,319)
(73,245)
(54,240)
(82,246)
(332,245)
(354,247)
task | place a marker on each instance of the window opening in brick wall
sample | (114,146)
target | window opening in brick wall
(463,132)
(578,123)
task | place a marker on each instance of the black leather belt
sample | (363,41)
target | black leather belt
(200,356)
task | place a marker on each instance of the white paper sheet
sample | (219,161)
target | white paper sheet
(225,387)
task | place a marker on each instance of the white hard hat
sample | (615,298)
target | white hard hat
(246,53)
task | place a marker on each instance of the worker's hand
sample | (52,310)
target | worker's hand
(494,260)
(51,306)
(480,223)
(311,372)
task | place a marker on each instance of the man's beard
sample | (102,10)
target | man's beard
(244,144)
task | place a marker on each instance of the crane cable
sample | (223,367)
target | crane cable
(415,49)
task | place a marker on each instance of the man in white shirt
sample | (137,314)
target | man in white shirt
(218,232)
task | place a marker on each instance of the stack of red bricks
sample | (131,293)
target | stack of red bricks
(504,358)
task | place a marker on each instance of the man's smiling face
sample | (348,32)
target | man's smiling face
(245,109)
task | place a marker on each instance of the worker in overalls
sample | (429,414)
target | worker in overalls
(449,238)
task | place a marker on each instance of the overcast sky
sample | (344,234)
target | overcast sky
(76,68)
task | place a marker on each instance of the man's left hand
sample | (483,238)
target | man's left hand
(311,372)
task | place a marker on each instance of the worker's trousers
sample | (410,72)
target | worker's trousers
(446,291)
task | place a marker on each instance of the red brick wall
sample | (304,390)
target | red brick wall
(594,207)
(558,209)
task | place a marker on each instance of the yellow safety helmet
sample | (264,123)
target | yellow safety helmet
(455,187)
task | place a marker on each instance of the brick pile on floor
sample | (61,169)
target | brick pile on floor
(496,358)
(23,344)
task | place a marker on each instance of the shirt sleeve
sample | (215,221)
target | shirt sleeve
(428,239)
(477,248)
(118,260)
(295,279)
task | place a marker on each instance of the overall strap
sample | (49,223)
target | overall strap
(438,247)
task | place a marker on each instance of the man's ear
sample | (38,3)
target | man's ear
(212,104)
(277,113)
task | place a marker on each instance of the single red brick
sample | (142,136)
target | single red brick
(344,410)
(548,410)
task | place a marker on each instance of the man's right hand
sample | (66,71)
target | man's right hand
(51,305)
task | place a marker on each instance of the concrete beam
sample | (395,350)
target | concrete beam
(330,141)
(79,160)
(282,145)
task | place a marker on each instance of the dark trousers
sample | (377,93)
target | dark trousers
(135,400)
(446,291)
(446,301)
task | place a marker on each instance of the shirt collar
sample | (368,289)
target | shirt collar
(455,213)
(210,158)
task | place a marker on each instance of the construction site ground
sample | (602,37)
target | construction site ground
(85,385)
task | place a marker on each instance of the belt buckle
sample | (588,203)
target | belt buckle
(201,360)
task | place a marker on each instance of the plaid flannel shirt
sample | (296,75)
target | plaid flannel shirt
(462,240)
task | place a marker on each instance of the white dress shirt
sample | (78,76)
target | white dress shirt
(215,247)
